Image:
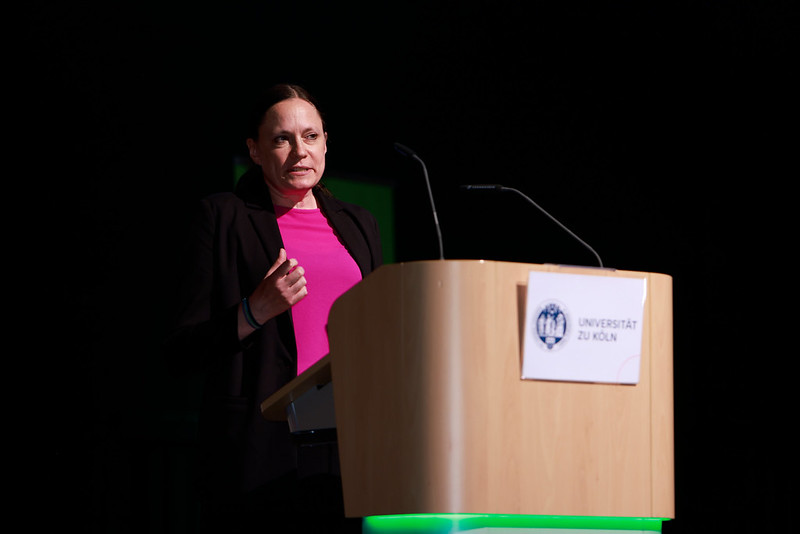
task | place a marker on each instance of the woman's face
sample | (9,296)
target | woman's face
(290,149)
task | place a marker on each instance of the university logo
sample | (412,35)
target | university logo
(552,325)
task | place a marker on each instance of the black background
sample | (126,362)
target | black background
(662,133)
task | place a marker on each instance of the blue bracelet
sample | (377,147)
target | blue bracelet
(248,315)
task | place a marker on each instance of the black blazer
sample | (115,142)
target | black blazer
(236,240)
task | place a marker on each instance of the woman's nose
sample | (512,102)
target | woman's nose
(299,148)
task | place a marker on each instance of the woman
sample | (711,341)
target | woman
(265,266)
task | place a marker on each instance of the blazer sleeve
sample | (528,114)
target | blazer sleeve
(200,333)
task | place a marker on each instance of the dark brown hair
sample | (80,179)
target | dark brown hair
(270,97)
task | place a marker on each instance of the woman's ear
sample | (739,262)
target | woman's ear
(252,146)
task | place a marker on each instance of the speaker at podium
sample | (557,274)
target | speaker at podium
(440,429)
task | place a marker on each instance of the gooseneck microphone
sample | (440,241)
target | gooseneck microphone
(495,187)
(404,150)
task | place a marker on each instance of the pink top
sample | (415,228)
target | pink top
(329,272)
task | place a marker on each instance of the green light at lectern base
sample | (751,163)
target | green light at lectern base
(447,523)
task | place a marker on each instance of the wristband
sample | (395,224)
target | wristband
(248,315)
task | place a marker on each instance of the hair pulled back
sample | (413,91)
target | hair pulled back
(270,97)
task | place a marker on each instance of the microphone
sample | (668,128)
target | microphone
(407,152)
(496,187)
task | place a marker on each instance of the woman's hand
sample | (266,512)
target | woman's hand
(283,286)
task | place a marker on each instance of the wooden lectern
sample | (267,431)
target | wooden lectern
(432,415)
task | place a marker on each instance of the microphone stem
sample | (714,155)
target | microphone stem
(523,195)
(433,207)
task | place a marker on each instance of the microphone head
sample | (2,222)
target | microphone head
(485,187)
(404,150)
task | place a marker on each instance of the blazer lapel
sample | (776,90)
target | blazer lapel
(350,234)
(266,228)
(261,213)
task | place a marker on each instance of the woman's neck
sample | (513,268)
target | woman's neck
(301,201)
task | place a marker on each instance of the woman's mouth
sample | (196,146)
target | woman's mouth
(299,170)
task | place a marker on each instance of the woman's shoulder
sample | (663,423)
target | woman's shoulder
(248,192)
(222,198)
(332,203)
(227,207)
(221,203)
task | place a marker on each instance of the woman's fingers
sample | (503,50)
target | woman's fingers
(278,263)
(283,286)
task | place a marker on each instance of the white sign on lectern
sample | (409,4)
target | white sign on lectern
(583,328)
